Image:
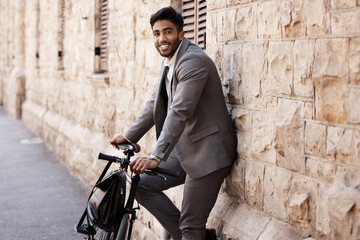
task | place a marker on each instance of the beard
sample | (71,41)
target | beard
(174,46)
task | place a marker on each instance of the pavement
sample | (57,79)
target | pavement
(39,198)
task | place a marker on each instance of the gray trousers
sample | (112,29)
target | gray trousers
(199,198)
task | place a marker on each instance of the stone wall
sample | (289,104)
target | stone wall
(291,77)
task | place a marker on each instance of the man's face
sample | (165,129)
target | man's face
(166,38)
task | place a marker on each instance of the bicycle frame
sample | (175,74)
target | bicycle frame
(129,209)
(130,202)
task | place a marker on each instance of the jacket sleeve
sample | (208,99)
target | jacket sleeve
(192,74)
(143,123)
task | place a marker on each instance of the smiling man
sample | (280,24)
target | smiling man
(195,135)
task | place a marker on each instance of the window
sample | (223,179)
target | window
(194,13)
(101,49)
(37,34)
(61,35)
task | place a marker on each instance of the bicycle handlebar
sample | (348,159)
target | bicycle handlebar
(109,158)
(154,171)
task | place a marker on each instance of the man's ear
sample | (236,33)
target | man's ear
(181,35)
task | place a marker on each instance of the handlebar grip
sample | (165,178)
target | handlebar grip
(168,172)
(107,157)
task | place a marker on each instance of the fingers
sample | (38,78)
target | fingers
(140,164)
(117,139)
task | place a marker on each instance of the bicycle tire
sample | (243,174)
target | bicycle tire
(123,232)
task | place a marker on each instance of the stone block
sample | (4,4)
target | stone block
(269,25)
(303,63)
(231,66)
(244,142)
(343,23)
(235,183)
(320,169)
(214,4)
(211,29)
(330,100)
(354,61)
(277,186)
(246,23)
(215,53)
(222,205)
(279,79)
(293,19)
(342,4)
(301,206)
(344,209)
(176,195)
(253,72)
(289,121)
(343,145)
(309,110)
(237,2)
(263,133)
(315,139)
(254,183)
(351,176)
(242,119)
(317,16)
(243,223)
(279,231)
(226,25)
(322,213)
(353,99)
(270,102)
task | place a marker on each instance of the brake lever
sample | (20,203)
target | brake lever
(161,176)
(155,173)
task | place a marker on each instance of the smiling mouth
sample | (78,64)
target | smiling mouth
(164,46)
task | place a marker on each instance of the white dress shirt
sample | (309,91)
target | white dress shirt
(171,65)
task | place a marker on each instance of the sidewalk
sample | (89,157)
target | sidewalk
(39,198)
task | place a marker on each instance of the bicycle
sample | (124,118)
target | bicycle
(124,230)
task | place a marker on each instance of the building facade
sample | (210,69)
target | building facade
(78,71)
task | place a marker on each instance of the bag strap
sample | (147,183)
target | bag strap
(92,191)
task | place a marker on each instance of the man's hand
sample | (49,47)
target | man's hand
(117,139)
(140,164)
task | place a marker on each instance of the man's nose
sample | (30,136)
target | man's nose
(162,37)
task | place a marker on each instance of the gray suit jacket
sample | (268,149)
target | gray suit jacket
(196,121)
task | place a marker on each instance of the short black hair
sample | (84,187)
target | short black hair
(168,13)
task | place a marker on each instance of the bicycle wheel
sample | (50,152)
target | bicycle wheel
(123,232)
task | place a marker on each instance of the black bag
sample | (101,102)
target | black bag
(106,203)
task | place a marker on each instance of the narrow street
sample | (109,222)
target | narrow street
(39,198)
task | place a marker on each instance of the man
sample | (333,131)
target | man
(193,128)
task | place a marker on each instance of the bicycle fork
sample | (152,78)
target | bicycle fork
(130,203)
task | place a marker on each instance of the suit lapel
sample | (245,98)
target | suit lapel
(174,80)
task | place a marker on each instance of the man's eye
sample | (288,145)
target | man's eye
(156,34)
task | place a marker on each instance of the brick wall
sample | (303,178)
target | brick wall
(290,72)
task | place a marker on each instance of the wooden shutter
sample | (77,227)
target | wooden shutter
(194,14)
(62,34)
(104,17)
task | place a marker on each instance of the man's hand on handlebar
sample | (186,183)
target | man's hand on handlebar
(140,164)
(117,139)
